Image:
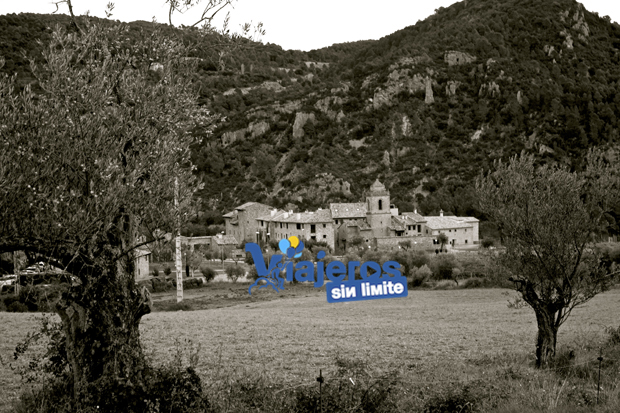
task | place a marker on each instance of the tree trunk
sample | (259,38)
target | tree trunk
(546,338)
(100,320)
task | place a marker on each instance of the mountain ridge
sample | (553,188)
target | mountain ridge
(425,109)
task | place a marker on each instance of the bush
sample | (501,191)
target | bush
(155,272)
(208,273)
(442,266)
(160,286)
(167,271)
(191,283)
(234,272)
(17,307)
(252,273)
(420,276)
(487,243)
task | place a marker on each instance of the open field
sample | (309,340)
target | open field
(430,337)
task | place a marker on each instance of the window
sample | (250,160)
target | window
(380,205)
(420,228)
(280,225)
(324,236)
(313,238)
(465,241)
(336,221)
(324,225)
(287,228)
(409,227)
(261,224)
(298,226)
(312,228)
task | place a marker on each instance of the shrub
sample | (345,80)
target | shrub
(161,285)
(252,273)
(167,271)
(208,273)
(614,334)
(442,266)
(420,276)
(155,272)
(190,283)
(487,243)
(234,272)
(17,307)
(351,389)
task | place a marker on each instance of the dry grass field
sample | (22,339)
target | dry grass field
(431,339)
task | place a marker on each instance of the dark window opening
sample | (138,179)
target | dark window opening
(380,205)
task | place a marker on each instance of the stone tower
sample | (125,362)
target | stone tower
(378,213)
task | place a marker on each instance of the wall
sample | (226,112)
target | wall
(391,243)
(461,236)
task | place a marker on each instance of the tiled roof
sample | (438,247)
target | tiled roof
(225,240)
(378,189)
(448,222)
(361,223)
(268,217)
(397,224)
(323,215)
(249,204)
(414,215)
(349,210)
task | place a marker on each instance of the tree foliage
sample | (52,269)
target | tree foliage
(549,218)
(89,166)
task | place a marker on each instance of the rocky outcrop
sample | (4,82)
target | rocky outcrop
(453,57)
(231,137)
(398,81)
(269,85)
(258,128)
(323,105)
(490,89)
(451,87)
(406,126)
(428,98)
(410,61)
(369,80)
(300,121)
(288,107)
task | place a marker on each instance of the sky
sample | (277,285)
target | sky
(292,24)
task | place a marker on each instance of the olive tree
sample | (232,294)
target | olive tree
(548,216)
(86,169)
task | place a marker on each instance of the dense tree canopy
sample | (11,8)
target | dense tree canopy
(550,218)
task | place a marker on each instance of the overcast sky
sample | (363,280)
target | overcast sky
(291,24)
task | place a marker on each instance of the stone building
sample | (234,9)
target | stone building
(460,230)
(242,224)
(376,222)
(315,225)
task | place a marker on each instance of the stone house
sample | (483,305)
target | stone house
(224,245)
(460,230)
(380,226)
(242,224)
(315,225)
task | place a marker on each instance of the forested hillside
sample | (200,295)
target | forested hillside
(424,109)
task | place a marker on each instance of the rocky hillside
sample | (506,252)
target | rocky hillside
(424,109)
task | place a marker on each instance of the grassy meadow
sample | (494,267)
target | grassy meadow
(434,348)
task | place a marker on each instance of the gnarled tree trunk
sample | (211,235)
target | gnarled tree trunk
(547,336)
(100,320)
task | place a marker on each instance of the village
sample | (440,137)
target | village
(375,224)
